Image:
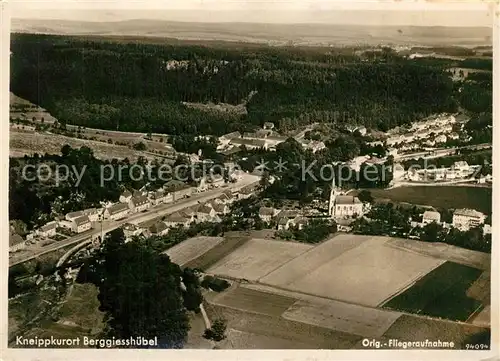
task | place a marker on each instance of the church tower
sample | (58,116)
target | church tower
(333,195)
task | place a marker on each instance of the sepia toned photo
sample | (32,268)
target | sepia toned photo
(219,175)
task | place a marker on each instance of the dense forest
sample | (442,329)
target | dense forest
(140,87)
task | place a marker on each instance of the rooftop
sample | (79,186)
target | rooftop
(75,214)
(176,218)
(81,220)
(140,200)
(432,215)
(49,226)
(117,208)
(158,227)
(15,239)
(347,200)
(468,212)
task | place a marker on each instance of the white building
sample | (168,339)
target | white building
(81,224)
(125,197)
(159,229)
(177,219)
(117,211)
(48,230)
(441,138)
(343,206)
(16,242)
(160,196)
(205,213)
(267,213)
(139,204)
(465,219)
(430,217)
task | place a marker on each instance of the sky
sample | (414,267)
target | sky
(366,12)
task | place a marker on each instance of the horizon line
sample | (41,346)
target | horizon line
(490,26)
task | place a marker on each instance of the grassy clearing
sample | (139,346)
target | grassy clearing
(440,293)
(478,198)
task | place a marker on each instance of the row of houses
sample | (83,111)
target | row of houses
(202,212)
(284,219)
(463,219)
(459,170)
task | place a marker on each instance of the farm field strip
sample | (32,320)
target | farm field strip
(444,251)
(256,258)
(278,327)
(192,248)
(365,275)
(313,258)
(339,316)
(246,299)
(213,255)
(441,293)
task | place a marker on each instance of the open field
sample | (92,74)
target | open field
(273,332)
(22,143)
(224,248)
(478,198)
(315,257)
(412,328)
(191,249)
(257,258)
(444,251)
(339,316)
(246,299)
(366,275)
(440,293)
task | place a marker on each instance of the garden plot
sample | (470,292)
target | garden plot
(191,249)
(366,275)
(257,258)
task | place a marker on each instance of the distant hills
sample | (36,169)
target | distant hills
(274,34)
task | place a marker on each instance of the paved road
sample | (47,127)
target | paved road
(155,212)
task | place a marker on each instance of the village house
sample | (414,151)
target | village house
(284,223)
(313,145)
(81,224)
(131,230)
(285,218)
(16,242)
(344,225)
(250,143)
(465,219)
(220,208)
(441,138)
(267,213)
(158,229)
(177,219)
(48,230)
(346,206)
(300,222)
(226,138)
(139,204)
(116,211)
(125,197)
(461,168)
(245,192)
(430,217)
(205,213)
(268,125)
(486,229)
(160,197)
(178,189)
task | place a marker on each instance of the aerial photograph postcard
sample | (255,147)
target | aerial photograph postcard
(210,175)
